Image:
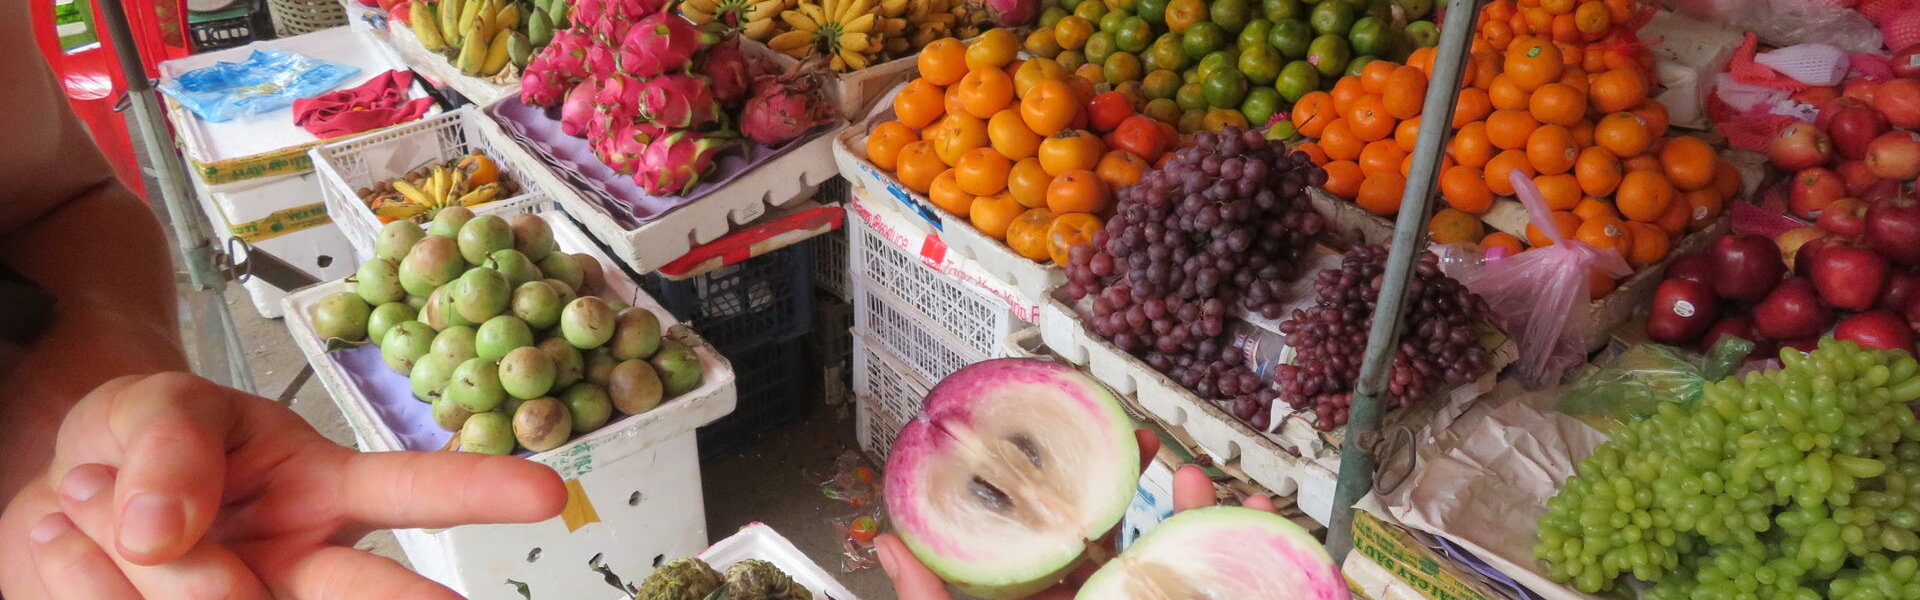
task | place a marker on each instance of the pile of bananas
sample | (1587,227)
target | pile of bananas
(482,37)
(755,19)
(469,181)
(854,34)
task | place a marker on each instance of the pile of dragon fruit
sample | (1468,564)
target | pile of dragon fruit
(657,98)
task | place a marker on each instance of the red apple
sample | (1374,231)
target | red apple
(1846,217)
(1893,230)
(1800,146)
(1745,267)
(1820,97)
(1696,267)
(1792,310)
(1681,311)
(1912,312)
(1878,329)
(1906,61)
(1803,344)
(1801,264)
(1849,276)
(1792,240)
(1900,288)
(1813,189)
(1899,100)
(1857,175)
(1851,125)
(1736,326)
(1894,155)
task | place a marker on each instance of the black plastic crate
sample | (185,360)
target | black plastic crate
(774,392)
(743,306)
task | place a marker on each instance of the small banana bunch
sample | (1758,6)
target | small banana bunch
(755,19)
(931,20)
(846,31)
(420,194)
(481,37)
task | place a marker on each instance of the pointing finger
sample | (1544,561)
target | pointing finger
(385,490)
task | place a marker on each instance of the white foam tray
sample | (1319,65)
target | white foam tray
(781,182)
(758,541)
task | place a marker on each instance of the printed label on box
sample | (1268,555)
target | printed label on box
(1401,555)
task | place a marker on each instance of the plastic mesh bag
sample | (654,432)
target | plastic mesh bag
(1812,64)
(1789,22)
(1901,29)
(1541,296)
(1632,385)
(267,81)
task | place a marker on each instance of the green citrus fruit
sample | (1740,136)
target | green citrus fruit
(1369,36)
(1260,105)
(1163,110)
(1160,84)
(1224,87)
(1203,38)
(1296,80)
(1423,34)
(1154,11)
(1230,15)
(1255,33)
(1133,35)
(1111,20)
(1100,46)
(1290,37)
(1358,64)
(1328,53)
(1260,64)
(1281,9)
(1191,96)
(1121,66)
(1091,11)
(1327,18)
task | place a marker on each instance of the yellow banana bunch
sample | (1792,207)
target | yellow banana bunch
(845,31)
(420,194)
(756,19)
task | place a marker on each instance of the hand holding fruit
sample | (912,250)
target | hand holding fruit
(168,485)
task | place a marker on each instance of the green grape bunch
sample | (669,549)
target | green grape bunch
(1796,483)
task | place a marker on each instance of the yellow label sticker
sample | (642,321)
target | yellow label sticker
(281,222)
(579,511)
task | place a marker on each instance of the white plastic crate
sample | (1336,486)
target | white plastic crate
(360,162)
(928,346)
(886,394)
(639,476)
(282,216)
(976,322)
(830,260)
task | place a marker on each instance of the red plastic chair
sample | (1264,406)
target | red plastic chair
(91,78)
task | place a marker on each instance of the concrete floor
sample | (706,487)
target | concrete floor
(772,481)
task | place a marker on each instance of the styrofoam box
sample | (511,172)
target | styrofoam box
(758,541)
(886,394)
(360,162)
(264,145)
(640,473)
(1297,470)
(1032,279)
(792,177)
(319,249)
(436,67)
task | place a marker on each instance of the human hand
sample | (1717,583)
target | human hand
(169,486)
(914,581)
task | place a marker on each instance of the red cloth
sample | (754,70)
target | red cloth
(379,102)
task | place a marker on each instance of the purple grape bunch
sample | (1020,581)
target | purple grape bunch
(1439,343)
(1222,227)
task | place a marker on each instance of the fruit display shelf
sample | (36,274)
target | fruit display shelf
(360,162)
(482,91)
(741,193)
(634,484)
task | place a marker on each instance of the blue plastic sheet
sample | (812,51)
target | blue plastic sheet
(267,81)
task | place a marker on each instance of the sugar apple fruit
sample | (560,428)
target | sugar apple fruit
(681,579)
(759,580)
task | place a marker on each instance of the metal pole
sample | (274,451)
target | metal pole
(1409,238)
(177,208)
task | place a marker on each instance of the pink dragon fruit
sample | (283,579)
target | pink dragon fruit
(662,42)
(634,9)
(1013,13)
(729,69)
(618,96)
(621,149)
(568,51)
(577,109)
(588,12)
(672,164)
(599,60)
(540,85)
(610,32)
(784,107)
(678,101)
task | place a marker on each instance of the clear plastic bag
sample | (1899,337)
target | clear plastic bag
(1541,296)
(1783,23)
(267,81)
(1632,385)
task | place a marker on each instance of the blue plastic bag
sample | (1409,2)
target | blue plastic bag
(269,80)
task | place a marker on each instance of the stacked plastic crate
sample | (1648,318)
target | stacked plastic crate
(757,313)
(914,323)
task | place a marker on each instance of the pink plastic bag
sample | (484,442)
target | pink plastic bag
(1541,296)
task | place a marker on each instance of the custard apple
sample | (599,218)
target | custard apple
(681,579)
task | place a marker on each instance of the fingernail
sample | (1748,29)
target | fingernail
(81,485)
(886,557)
(50,527)
(151,523)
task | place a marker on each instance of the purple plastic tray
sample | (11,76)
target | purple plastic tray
(538,130)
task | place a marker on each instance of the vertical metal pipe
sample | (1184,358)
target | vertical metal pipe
(1409,239)
(222,359)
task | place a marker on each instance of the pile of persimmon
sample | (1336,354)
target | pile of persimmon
(1020,150)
